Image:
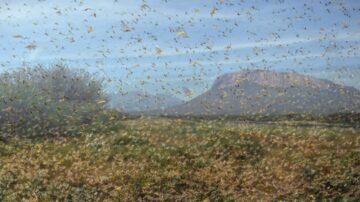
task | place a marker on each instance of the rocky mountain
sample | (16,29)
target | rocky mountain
(268,92)
(138,101)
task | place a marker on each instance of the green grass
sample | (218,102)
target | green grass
(185,160)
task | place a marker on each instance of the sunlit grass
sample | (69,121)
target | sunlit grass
(179,159)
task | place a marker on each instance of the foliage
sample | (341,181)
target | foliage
(48,101)
(185,160)
(339,118)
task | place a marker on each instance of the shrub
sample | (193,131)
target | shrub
(43,101)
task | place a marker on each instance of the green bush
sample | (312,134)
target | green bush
(49,101)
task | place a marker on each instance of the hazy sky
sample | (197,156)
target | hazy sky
(168,45)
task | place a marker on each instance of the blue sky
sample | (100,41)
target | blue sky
(164,46)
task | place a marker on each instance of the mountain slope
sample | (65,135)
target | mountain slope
(269,92)
(138,101)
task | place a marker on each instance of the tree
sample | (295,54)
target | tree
(48,101)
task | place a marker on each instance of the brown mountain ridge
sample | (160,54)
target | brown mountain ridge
(251,92)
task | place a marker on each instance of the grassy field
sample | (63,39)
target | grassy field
(185,160)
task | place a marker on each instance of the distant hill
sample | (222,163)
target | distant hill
(269,92)
(139,101)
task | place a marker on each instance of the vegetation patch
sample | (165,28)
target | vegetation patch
(192,160)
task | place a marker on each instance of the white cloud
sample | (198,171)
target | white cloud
(203,50)
(266,44)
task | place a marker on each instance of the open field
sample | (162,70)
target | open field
(185,160)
